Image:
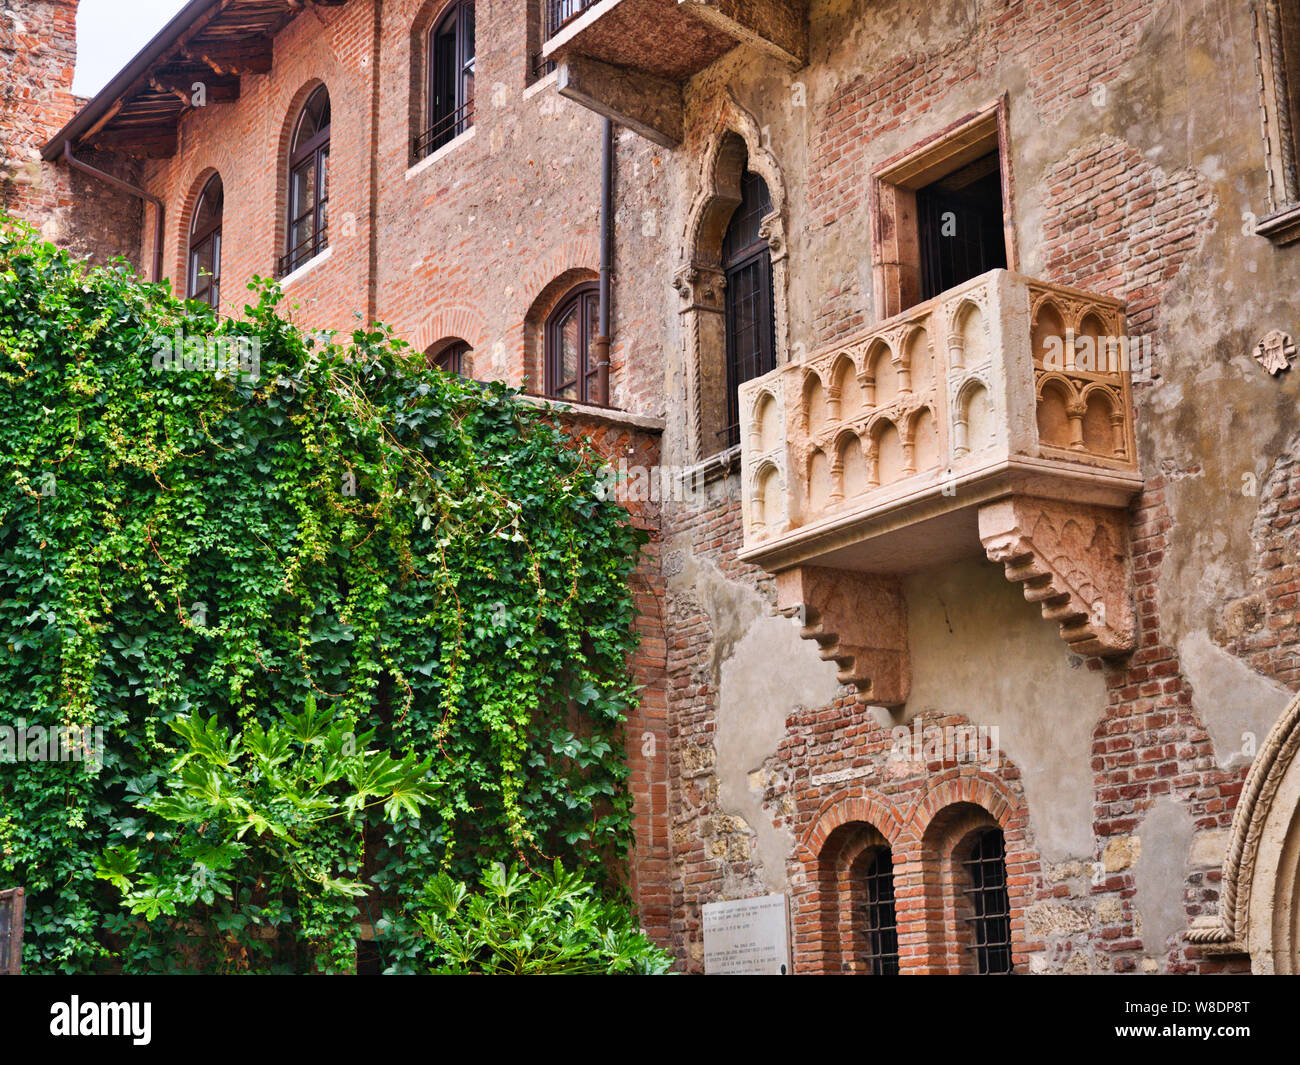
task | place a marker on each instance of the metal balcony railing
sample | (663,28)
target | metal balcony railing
(443,131)
(560,13)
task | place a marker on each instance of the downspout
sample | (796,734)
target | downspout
(160,212)
(602,342)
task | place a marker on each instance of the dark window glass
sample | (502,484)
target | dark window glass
(750,319)
(452,358)
(881,921)
(308,184)
(959,221)
(451,79)
(990,920)
(204,280)
(571,332)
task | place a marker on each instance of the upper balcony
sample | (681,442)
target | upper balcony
(994,419)
(628,59)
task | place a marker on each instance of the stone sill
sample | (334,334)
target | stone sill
(429,160)
(541,83)
(305,268)
(1282,226)
(603,415)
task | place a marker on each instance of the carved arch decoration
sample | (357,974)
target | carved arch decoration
(1259,901)
(735,144)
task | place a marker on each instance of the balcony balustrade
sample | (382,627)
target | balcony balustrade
(995,418)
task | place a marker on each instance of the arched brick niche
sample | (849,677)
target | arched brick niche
(930,838)
(934,912)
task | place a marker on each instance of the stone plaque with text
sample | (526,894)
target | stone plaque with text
(747,937)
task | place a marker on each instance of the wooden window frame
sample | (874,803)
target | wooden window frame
(451,357)
(206,289)
(758,253)
(580,294)
(443,124)
(314,153)
(895,244)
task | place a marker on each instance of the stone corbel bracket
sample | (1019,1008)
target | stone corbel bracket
(859,622)
(1073,560)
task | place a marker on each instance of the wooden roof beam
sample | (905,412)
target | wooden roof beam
(247,57)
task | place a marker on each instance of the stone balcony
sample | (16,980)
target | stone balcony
(995,419)
(628,59)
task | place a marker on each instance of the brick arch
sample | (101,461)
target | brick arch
(194,186)
(959,785)
(460,321)
(955,804)
(844,808)
(550,294)
(580,252)
(844,828)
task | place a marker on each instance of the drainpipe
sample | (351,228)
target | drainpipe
(602,341)
(160,212)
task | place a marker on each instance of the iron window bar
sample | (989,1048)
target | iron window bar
(540,67)
(990,925)
(444,131)
(559,13)
(304,251)
(880,916)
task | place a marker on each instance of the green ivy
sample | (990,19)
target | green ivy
(429,560)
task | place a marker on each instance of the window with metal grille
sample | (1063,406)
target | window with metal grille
(990,908)
(451,359)
(204,270)
(451,79)
(959,222)
(570,332)
(561,12)
(880,921)
(750,317)
(309,155)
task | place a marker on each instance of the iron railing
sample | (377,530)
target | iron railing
(445,130)
(302,252)
(559,13)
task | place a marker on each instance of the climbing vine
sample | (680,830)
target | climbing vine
(215,530)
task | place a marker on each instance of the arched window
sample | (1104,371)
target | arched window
(309,153)
(204,266)
(988,909)
(450,90)
(453,358)
(879,918)
(570,334)
(750,315)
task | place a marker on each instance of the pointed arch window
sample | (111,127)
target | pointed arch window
(450,91)
(309,154)
(571,332)
(204,263)
(750,312)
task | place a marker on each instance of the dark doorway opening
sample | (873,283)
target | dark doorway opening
(959,222)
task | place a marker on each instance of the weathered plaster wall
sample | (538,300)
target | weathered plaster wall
(1136,159)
